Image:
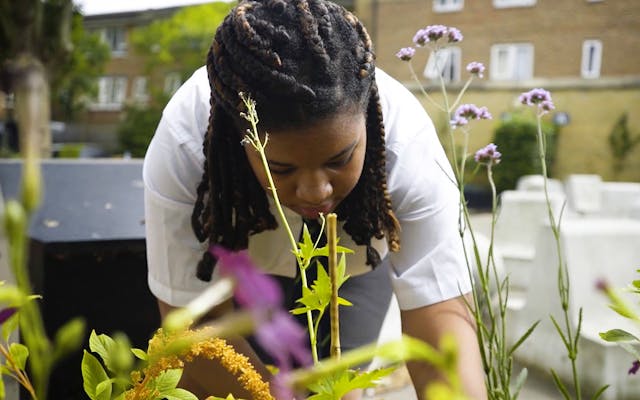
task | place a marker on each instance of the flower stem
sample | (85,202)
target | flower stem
(332,243)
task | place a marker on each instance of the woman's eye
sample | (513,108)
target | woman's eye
(340,163)
(281,171)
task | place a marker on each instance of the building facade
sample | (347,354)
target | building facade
(584,51)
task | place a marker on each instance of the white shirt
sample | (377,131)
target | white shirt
(430,266)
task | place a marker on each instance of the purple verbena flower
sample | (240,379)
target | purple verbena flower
(284,339)
(429,34)
(476,68)
(471,111)
(253,289)
(454,35)
(458,121)
(406,53)
(488,155)
(635,366)
(538,97)
(6,313)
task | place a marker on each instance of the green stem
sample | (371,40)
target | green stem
(563,278)
(260,147)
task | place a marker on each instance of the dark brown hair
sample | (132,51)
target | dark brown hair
(301,61)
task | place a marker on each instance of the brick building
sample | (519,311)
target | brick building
(586,52)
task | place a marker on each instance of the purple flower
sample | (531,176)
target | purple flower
(454,35)
(283,338)
(476,68)
(538,97)
(253,289)
(429,34)
(635,366)
(488,155)
(6,313)
(458,121)
(406,53)
(602,285)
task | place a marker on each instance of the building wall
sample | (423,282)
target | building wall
(557,29)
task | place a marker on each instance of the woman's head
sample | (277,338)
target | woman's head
(308,64)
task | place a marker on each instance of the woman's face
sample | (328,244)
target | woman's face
(314,168)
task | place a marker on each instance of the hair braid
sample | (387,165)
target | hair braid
(301,61)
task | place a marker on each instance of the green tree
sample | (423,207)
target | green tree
(178,44)
(74,82)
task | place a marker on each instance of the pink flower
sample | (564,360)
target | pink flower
(488,155)
(476,68)
(253,289)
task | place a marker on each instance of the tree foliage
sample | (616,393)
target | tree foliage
(74,82)
(176,44)
(180,43)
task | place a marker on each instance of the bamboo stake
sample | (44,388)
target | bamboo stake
(332,244)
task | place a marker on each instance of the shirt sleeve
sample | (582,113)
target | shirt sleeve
(171,172)
(430,266)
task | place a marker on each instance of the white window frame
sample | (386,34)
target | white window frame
(116,38)
(515,66)
(513,3)
(112,92)
(172,82)
(591,59)
(446,63)
(442,6)
(139,92)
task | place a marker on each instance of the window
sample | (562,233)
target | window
(139,89)
(513,3)
(511,62)
(116,38)
(172,82)
(447,5)
(111,93)
(591,59)
(446,63)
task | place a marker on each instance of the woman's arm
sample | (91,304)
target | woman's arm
(429,323)
(204,377)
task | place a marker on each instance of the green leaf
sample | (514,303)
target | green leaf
(523,337)
(10,325)
(103,390)
(3,394)
(618,335)
(181,394)
(69,337)
(167,380)
(19,353)
(92,374)
(104,346)
(337,385)
(560,385)
(520,380)
(599,393)
(141,354)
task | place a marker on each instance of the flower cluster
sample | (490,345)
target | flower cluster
(476,68)
(467,112)
(433,33)
(488,155)
(538,97)
(276,330)
(406,53)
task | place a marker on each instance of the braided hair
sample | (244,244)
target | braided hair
(301,61)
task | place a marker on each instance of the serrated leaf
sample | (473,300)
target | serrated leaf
(104,346)
(343,382)
(19,354)
(92,374)
(141,354)
(181,394)
(618,335)
(167,380)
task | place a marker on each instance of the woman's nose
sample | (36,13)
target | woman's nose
(314,188)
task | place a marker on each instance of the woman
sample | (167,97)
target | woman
(344,137)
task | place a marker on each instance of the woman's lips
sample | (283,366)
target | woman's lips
(313,212)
